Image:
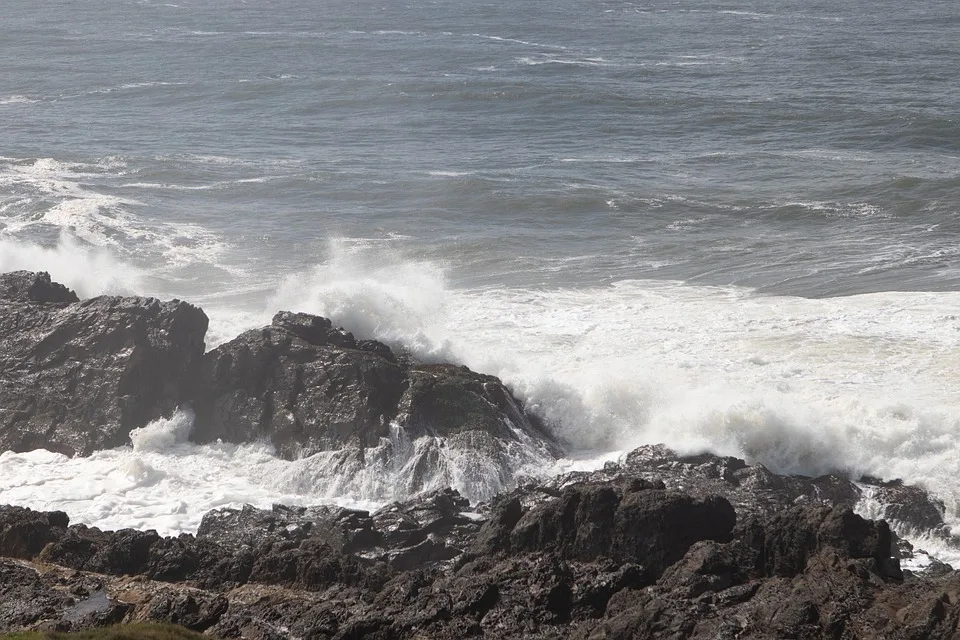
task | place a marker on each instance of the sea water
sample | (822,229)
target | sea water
(725,226)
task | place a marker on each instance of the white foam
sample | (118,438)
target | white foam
(450,174)
(864,384)
(162,435)
(137,85)
(165,483)
(212,186)
(18,99)
(162,483)
(926,547)
(518,41)
(838,209)
(65,196)
(372,295)
(400,467)
(549,59)
(747,14)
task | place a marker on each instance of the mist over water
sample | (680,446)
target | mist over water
(726,227)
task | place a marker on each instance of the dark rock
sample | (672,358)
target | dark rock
(595,584)
(312,565)
(438,513)
(76,377)
(300,384)
(343,529)
(752,489)
(915,610)
(708,567)
(786,541)
(909,506)
(271,615)
(195,610)
(25,600)
(656,527)
(25,532)
(124,552)
(307,386)
(201,562)
(653,527)
(28,286)
(445,400)
(428,551)
(495,534)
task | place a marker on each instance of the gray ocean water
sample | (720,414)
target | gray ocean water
(726,226)
(808,148)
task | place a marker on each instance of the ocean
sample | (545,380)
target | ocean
(725,226)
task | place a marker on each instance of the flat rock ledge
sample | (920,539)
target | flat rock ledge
(624,552)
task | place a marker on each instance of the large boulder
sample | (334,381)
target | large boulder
(307,386)
(300,383)
(25,532)
(648,525)
(77,376)
(785,541)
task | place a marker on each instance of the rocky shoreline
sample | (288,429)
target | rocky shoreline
(623,552)
(658,545)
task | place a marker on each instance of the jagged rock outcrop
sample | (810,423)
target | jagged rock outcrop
(300,383)
(646,524)
(33,287)
(613,553)
(307,386)
(908,505)
(77,376)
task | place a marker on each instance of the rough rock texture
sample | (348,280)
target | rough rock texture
(307,386)
(609,554)
(29,286)
(300,383)
(78,376)
(648,524)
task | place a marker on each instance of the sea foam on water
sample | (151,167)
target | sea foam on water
(859,385)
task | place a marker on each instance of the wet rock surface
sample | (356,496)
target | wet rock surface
(308,386)
(623,552)
(77,376)
(300,383)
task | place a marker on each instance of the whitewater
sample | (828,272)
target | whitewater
(724,228)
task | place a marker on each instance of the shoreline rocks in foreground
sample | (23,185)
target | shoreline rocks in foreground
(616,553)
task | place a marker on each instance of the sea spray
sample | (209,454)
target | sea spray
(861,384)
(88,270)
(375,294)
